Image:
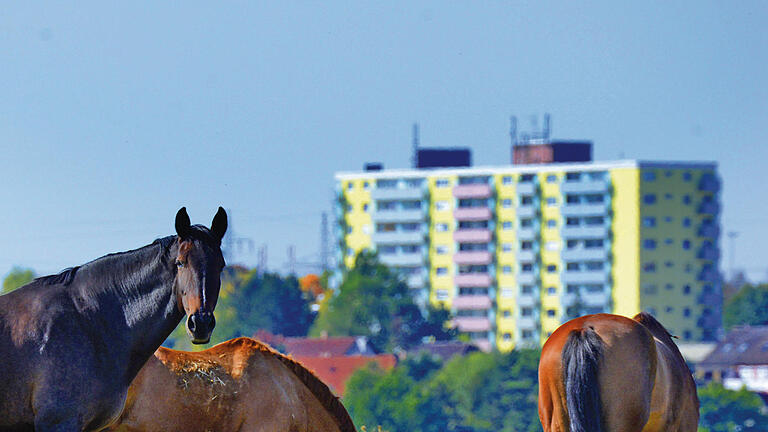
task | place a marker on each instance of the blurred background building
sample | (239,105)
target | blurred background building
(516,250)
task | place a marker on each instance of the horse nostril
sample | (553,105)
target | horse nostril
(191,323)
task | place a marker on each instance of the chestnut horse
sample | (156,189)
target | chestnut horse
(237,386)
(608,373)
(70,344)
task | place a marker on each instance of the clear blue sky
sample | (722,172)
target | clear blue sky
(112,116)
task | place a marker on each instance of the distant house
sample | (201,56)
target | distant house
(740,360)
(332,359)
(443,350)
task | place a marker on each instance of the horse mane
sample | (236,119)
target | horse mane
(318,388)
(659,332)
(65,277)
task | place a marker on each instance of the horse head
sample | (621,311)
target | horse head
(198,272)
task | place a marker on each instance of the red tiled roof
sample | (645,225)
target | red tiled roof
(310,347)
(335,371)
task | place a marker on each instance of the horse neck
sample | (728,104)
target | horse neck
(135,291)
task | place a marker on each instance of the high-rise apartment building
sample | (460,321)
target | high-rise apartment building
(514,251)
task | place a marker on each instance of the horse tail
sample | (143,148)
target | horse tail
(581,358)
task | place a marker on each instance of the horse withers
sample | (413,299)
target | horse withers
(609,373)
(70,344)
(238,385)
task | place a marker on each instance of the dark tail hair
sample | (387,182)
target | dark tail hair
(581,358)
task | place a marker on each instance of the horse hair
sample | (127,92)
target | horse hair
(581,358)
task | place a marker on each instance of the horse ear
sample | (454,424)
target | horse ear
(219,224)
(182,223)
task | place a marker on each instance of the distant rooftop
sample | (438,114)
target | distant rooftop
(745,345)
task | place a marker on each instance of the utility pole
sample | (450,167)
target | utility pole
(732,252)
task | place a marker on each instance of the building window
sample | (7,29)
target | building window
(526,223)
(526,267)
(526,312)
(551,268)
(669,309)
(507,337)
(526,178)
(442,183)
(441,249)
(649,176)
(551,313)
(526,245)
(686,222)
(687,176)
(506,225)
(350,252)
(686,244)
(350,185)
(441,294)
(527,334)
(526,289)
(526,200)
(687,289)
(687,312)
(572,199)
(593,243)
(507,292)
(669,264)
(687,335)
(506,203)
(594,198)
(668,196)
(410,227)
(649,267)
(650,289)
(506,247)
(649,244)
(442,205)
(441,271)
(572,176)
(441,227)
(551,202)
(551,291)
(551,223)
(668,241)
(649,199)
(387,250)
(686,199)
(365,207)
(506,269)
(552,245)
(572,221)
(551,178)
(507,313)
(507,180)
(572,266)
(594,220)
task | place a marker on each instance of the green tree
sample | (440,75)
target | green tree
(725,410)
(374,301)
(748,307)
(16,278)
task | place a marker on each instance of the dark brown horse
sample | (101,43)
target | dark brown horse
(608,373)
(237,386)
(71,344)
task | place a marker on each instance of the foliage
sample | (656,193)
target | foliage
(479,392)
(249,302)
(373,301)
(725,410)
(748,307)
(16,278)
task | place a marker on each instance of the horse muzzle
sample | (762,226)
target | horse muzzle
(200,326)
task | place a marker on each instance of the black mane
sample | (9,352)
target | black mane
(65,277)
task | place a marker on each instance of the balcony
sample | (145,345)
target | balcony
(528,300)
(527,278)
(395,216)
(583,254)
(526,188)
(586,232)
(527,255)
(473,257)
(709,230)
(527,211)
(472,302)
(585,276)
(527,233)
(472,324)
(415,280)
(473,280)
(709,299)
(597,209)
(398,237)
(709,183)
(473,214)
(588,299)
(708,252)
(403,259)
(585,186)
(527,323)
(480,235)
(709,275)
(397,193)
(709,208)
(472,191)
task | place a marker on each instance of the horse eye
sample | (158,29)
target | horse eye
(179,263)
